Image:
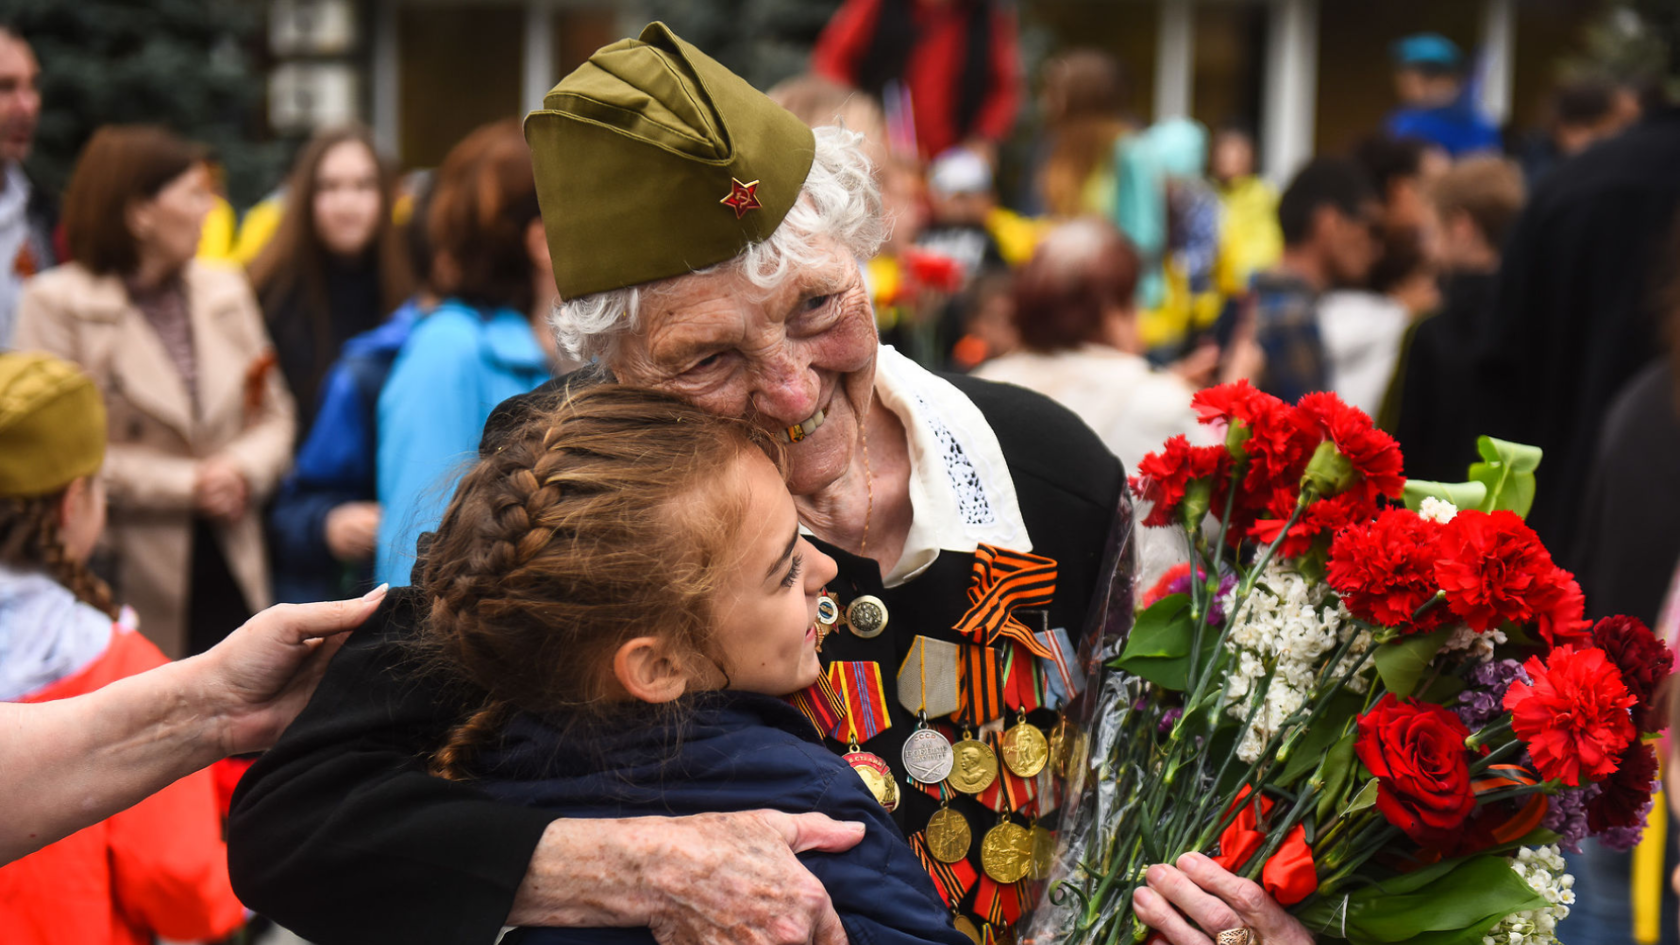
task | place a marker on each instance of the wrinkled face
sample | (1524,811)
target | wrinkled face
(169,225)
(347,204)
(773,358)
(765,635)
(20,98)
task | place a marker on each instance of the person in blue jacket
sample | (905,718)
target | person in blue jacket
(484,343)
(1437,104)
(625,587)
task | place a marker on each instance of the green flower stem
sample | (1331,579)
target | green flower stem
(1308,494)
(1490,732)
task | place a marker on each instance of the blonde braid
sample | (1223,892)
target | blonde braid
(29,538)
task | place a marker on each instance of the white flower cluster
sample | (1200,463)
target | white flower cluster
(1542,869)
(1437,510)
(1479,645)
(1283,630)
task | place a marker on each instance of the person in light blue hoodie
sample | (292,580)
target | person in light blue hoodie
(484,343)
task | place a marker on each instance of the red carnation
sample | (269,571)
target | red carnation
(1416,751)
(1384,570)
(1373,455)
(1574,715)
(1643,660)
(1270,433)
(1164,478)
(1322,518)
(1622,797)
(1491,568)
(1560,610)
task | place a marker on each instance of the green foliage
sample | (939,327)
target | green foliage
(1159,646)
(1451,903)
(763,41)
(1464,495)
(1401,664)
(185,64)
(1507,470)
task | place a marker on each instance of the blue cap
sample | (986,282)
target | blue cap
(1427,49)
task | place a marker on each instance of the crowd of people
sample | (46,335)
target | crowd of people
(403,381)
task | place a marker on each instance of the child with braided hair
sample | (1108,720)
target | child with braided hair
(158,869)
(623,589)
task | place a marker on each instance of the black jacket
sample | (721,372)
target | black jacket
(338,834)
(731,751)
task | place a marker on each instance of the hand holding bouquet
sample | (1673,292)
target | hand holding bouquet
(1378,699)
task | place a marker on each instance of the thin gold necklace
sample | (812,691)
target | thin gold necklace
(869,484)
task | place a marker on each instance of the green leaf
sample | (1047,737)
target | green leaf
(1365,798)
(1338,767)
(1443,690)
(1159,646)
(1473,892)
(1326,728)
(1507,470)
(1402,663)
(1464,495)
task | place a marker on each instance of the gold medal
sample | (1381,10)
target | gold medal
(867,617)
(966,926)
(948,836)
(1006,852)
(876,776)
(975,766)
(1043,852)
(1024,749)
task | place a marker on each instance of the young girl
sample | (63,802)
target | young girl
(158,868)
(625,584)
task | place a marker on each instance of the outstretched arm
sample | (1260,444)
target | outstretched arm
(107,750)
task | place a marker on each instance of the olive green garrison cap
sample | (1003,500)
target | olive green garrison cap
(653,160)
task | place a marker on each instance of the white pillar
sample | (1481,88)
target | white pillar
(539,68)
(387,80)
(1174,60)
(1499,55)
(1291,100)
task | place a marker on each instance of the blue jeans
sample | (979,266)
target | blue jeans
(1603,910)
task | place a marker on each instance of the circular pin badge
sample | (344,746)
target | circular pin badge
(876,775)
(927,756)
(867,616)
(828,611)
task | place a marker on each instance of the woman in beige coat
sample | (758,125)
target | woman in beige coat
(201,423)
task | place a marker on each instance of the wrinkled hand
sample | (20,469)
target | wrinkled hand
(352,530)
(1214,900)
(259,678)
(709,879)
(220,490)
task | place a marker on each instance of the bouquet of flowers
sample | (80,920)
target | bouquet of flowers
(1378,698)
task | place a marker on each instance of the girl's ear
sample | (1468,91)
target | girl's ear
(72,499)
(646,669)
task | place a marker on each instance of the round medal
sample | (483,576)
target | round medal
(1043,852)
(1024,749)
(966,926)
(927,756)
(876,775)
(948,836)
(974,767)
(867,616)
(828,611)
(1006,852)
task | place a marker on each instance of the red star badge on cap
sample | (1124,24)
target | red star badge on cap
(742,197)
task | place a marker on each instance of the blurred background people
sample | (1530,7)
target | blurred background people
(201,422)
(1082,106)
(1435,100)
(947,72)
(27,213)
(486,341)
(1361,327)
(1249,237)
(1582,111)
(160,867)
(336,266)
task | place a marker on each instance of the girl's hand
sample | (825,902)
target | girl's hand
(1214,900)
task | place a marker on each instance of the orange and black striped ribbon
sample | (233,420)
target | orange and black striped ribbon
(863,699)
(1008,792)
(821,704)
(1023,679)
(1003,581)
(952,880)
(998,903)
(980,690)
(1533,812)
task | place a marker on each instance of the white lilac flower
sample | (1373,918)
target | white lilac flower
(1479,646)
(1437,510)
(1542,869)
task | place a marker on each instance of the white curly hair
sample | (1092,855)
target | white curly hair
(840,200)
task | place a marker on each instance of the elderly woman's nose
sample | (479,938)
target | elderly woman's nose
(787,387)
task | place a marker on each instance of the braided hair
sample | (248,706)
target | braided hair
(593,522)
(29,538)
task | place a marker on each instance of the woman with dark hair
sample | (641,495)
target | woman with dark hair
(484,343)
(201,423)
(952,65)
(337,265)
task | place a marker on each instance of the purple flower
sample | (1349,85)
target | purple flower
(1485,686)
(1566,816)
(1216,611)
(1169,718)
(1623,839)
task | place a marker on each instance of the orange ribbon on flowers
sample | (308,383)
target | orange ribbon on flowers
(1524,821)
(1290,875)
(1003,581)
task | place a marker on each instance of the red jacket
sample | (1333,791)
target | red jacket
(158,868)
(930,70)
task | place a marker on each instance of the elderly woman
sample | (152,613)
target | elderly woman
(706,243)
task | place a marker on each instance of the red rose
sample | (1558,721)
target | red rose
(1490,566)
(1622,797)
(1164,478)
(1416,750)
(1644,662)
(1372,454)
(1574,715)
(1384,570)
